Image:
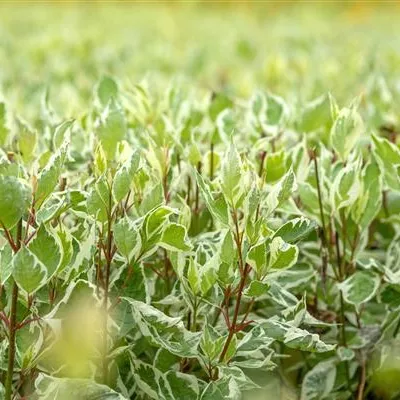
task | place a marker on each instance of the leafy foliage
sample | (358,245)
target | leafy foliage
(170,241)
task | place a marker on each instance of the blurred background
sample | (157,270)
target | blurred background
(298,50)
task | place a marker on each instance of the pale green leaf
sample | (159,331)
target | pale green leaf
(318,382)
(218,209)
(50,388)
(61,133)
(124,176)
(27,141)
(127,238)
(15,198)
(388,155)
(294,337)
(174,238)
(4,131)
(228,249)
(162,330)
(112,128)
(107,89)
(282,254)
(29,273)
(6,255)
(346,131)
(257,289)
(231,174)
(48,249)
(296,229)
(99,201)
(360,287)
(257,257)
(49,176)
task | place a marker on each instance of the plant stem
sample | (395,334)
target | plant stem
(363,377)
(11,348)
(13,324)
(232,329)
(166,271)
(326,248)
(244,270)
(197,193)
(211,161)
(108,256)
(396,330)
(261,168)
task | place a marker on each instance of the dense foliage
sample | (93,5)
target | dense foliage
(219,228)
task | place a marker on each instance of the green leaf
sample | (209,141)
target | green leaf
(49,176)
(219,102)
(231,349)
(183,386)
(49,388)
(231,175)
(275,166)
(4,131)
(346,131)
(112,128)
(219,210)
(388,155)
(209,274)
(29,273)
(107,89)
(124,176)
(295,230)
(153,198)
(99,201)
(155,219)
(61,133)
(67,249)
(316,115)
(170,385)
(149,380)
(27,141)
(296,278)
(283,255)
(226,123)
(369,203)
(127,238)
(193,276)
(212,343)
(277,110)
(294,337)
(392,262)
(48,250)
(346,187)
(15,198)
(281,191)
(360,287)
(6,255)
(100,161)
(228,249)
(318,382)
(257,257)
(223,389)
(174,238)
(162,330)
(309,198)
(257,289)
(152,228)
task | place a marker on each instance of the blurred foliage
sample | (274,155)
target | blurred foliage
(295,51)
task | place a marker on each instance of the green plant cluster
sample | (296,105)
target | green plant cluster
(166,240)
